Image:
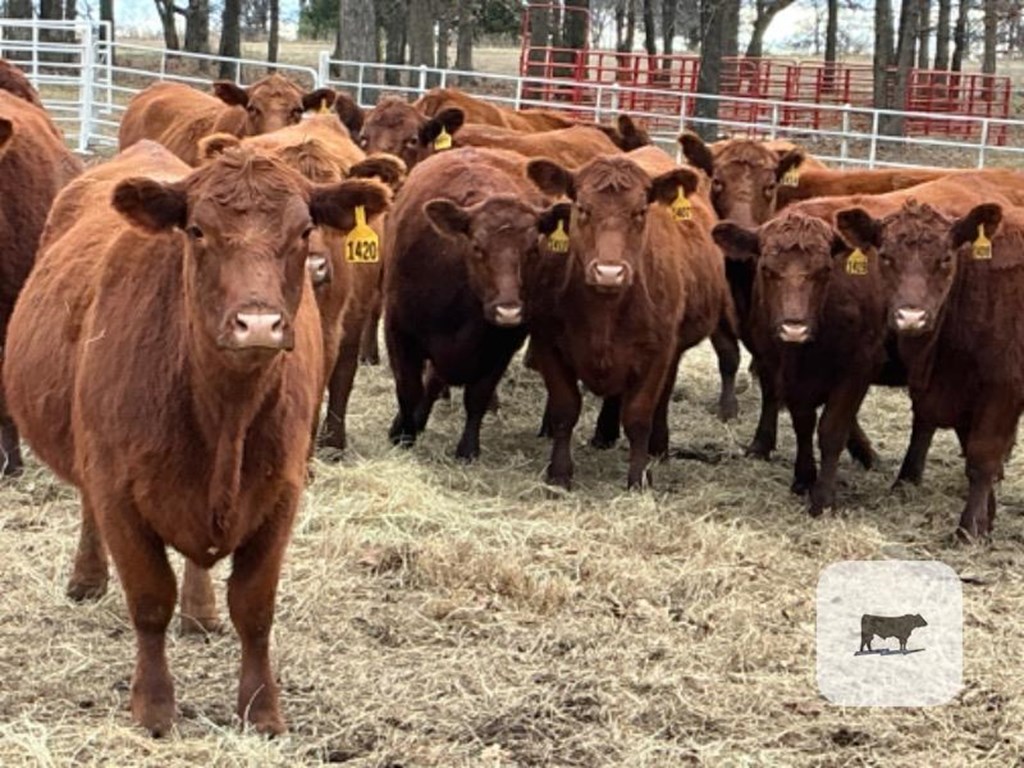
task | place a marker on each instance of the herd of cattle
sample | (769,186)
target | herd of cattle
(171,317)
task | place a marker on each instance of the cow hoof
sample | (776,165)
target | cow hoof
(467,454)
(369,359)
(559,481)
(969,537)
(866,457)
(157,717)
(603,442)
(544,431)
(398,435)
(13,468)
(269,724)
(81,590)
(728,409)
(759,450)
(802,486)
(642,483)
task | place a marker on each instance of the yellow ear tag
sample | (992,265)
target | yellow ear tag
(682,208)
(791,178)
(558,241)
(324,109)
(857,263)
(982,248)
(362,246)
(443,140)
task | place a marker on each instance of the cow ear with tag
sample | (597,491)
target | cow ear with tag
(554,225)
(665,189)
(551,178)
(859,228)
(788,172)
(978,228)
(334,205)
(439,130)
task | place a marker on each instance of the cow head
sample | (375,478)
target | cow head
(498,235)
(271,103)
(397,128)
(611,200)
(792,258)
(744,176)
(917,253)
(918,620)
(247,220)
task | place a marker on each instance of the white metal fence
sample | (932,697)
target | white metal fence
(86,82)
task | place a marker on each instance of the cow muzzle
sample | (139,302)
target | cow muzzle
(612,275)
(910,320)
(319,267)
(794,332)
(260,330)
(508,314)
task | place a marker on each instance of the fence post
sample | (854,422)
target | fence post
(444,78)
(519,92)
(361,75)
(775,120)
(35,54)
(423,79)
(844,145)
(984,142)
(873,151)
(88,74)
(323,68)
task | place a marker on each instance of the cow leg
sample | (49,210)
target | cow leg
(727,348)
(658,446)
(339,390)
(986,442)
(369,346)
(149,586)
(252,587)
(407,361)
(912,469)
(564,402)
(837,420)
(198,601)
(858,445)
(545,421)
(90,574)
(433,385)
(607,430)
(637,416)
(805,473)
(766,434)
(10,444)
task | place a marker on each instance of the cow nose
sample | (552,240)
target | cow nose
(610,274)
(794,332)
(258,329)
(318,271)
(910,319)
(508,314)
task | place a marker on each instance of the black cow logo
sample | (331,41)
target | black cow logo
(899,627)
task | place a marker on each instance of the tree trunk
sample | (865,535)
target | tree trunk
(391,16)
(692,16)
(165,9)
(464,36)
(444,26)
(668,28)
(650,33)
(230,38)
(357,37)
(924,11)
(17,9)
(988,59)
(107,15)
(716,17)
(731,40)
(421,37)
(892,125)
(942,35)
(197,26)
(574,24)
(766,13)
(883,57)
(274,38)
(831,44)
(960,41)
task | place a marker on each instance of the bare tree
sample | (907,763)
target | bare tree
(893,124)
(942,35)
(924,33)
(230,38)
(831,43)
(988,59)
(357,36)
(668,27)
(718,16)
(274,39)
(650,33)
(464,36)
(165,9)
(960,40)
(765,11)
(107,15)
(197,26)
(391,16)
(884,55)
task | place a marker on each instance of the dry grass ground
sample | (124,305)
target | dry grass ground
(434,614)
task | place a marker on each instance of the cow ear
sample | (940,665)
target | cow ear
(859,228)
(631,135)
(449,120)
(551,178)
(737,243)
(388,168)
(350,113)
(449,219)
(697,153)
(333,205)
(150,204)
(985,217)
(789,160)
(839,246)
(665,188)
(321,98)
(548,220)
(217,144)
(6,134)
(230,93)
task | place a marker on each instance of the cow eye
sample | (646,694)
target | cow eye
(769,190)
(364,142)
(306,233)
(194,232)
(638,215)
(716,186)
(252,110)
(583,212)
(412,142)
(297,113)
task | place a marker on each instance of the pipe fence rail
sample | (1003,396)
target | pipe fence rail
(86,82)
